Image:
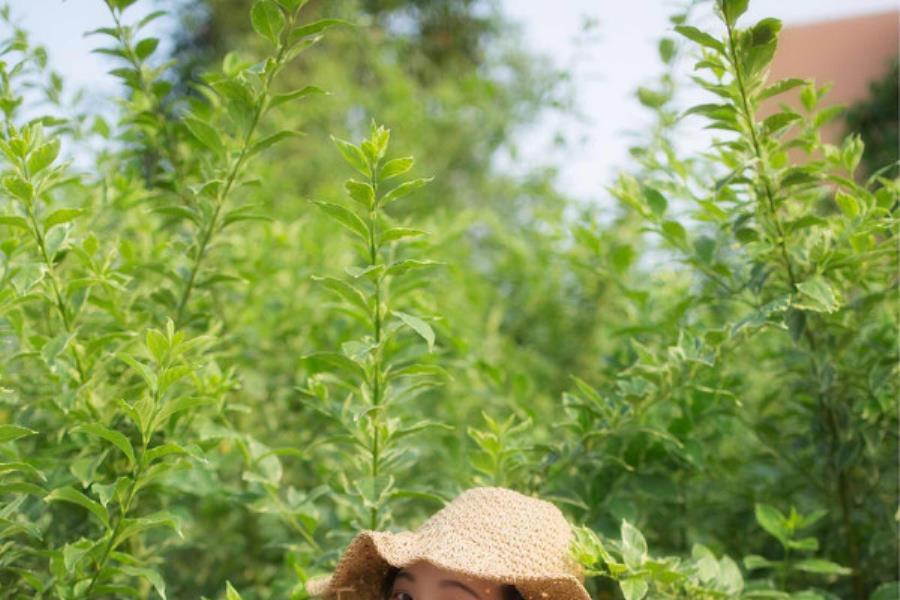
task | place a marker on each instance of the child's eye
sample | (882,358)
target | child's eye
(401,596)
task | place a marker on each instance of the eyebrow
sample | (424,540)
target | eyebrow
(445,583)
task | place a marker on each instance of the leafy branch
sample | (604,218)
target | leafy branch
(248,94)
(383,377)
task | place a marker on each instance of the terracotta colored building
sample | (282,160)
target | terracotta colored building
(850,53)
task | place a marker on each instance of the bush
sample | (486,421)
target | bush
(206,381)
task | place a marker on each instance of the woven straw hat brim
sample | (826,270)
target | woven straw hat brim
(362,569)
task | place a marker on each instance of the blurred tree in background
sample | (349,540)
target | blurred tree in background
(876,120)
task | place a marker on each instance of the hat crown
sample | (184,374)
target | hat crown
(498,530)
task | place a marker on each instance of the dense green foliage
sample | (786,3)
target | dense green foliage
(221,358)
(877,121)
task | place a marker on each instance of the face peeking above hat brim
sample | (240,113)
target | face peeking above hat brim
(361,570)
(489,533)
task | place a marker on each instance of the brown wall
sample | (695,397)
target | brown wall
(849,52)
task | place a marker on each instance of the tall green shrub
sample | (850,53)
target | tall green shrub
(382,369)
(769,384)
(108,400)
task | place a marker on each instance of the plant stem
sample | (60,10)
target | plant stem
(222,196)
(376,362)
(135,62)
(57,295)
(758,155)
(137,471)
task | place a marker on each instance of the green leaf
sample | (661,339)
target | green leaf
(115,438)
(808,96)
(811,519)
(273,139)
(55,346)
(807,544)
(705,247)
(180,404)
(395,167)
(353,155)
(121,5)
(376,146)
(150,575)
(847,203)
(773,521)
(8,433)
(826,115)
(73,553)
(780,87)
(371,271)
(157,343)
(22,487)
(43,156)
(345,291)
(244,213)
(398,233)
(418,325)
(730,576)
(141,368)
(651,98)
(816,294)
(403,266)
(799,176)
(700,37)
(292,5)
(132,527)
(421,370)
(821,566)
(170,448)
(205,133)
(674,232)
(73,496)
(666,49)
(105,491)
(634,546)
(22,467)
(754,561)
(19,188)
(361,193)
(733,9)
(779,121)
(765,32)
(418,427)
(62,215)
(230,592)
(346,217)
(267,20)
(309,90)
(146,47)
(315,27)
(319,362)
(886,591)
(656,201)
(634,588)
(715,112)
(405,189)
(14,221)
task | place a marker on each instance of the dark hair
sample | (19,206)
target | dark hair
(509,591)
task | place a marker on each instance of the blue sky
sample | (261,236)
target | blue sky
(606,71)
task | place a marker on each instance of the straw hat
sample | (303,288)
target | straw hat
(491,533)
